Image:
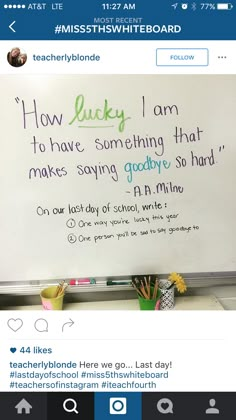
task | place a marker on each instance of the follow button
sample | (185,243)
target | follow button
(182,57)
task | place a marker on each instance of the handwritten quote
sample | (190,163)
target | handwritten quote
(115,220)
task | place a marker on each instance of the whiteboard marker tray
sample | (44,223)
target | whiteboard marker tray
(181,303)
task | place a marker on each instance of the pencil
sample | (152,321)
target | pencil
(139,287)
(58,289)
(144,292)
(61,288)
(137,290)
(154,295)
(147,287)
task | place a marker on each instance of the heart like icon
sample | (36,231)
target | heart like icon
(15,324)
(165,406)
(13,349)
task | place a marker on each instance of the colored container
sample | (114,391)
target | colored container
(167,295)
(49,301)
(150,304)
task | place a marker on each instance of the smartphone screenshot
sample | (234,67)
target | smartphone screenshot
(117,210)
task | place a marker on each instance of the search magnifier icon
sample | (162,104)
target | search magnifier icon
(70,406)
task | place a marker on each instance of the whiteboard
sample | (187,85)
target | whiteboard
(116,175)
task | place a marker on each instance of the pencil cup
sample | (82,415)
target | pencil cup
(167,296)
(150,304)
(49,301)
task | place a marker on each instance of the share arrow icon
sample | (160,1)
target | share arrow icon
(67,324)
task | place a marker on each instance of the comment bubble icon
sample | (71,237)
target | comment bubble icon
(41,325)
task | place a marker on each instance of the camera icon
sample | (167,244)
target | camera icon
(118,405)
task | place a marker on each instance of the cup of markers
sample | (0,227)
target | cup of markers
(52,297)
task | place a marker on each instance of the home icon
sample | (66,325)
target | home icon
(23,407)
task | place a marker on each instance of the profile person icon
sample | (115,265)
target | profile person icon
(212,409)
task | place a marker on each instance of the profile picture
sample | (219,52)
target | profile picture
(16,57)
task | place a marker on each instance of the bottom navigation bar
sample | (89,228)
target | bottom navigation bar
(104,406)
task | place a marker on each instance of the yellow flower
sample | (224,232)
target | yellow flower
(179,282)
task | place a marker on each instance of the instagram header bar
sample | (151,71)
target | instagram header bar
(104,57)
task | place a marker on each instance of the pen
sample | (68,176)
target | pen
(82,282)
(118,282)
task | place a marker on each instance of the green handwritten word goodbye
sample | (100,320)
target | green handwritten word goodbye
(106,113)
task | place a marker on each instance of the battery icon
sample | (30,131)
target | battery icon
(224,6)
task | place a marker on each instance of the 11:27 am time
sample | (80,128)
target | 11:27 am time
(117,6)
